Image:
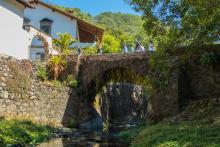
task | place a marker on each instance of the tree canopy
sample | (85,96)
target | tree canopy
(124,27)
(180,22)
(111,44)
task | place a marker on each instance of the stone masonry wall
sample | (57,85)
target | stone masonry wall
(190,82)
(22,96)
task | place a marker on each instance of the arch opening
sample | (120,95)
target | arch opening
(113,75)
(117,97)
(39,49)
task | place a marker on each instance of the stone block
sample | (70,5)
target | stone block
(4,94)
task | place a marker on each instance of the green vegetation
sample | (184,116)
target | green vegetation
(208,58)
(57,63)
(77,12)
(56,84)
(63,43)
(124,27)
(42,72)
(173,24)
(178,135)
(184,22)
(90,51)
(197,125)
(119,28)
(111,44)
(70,81)
(22,132)
(130,134)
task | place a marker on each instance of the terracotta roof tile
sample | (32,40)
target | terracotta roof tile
(25,3)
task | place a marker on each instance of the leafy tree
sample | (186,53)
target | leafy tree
(77,12)
(90,51)
(111,44)
(124,27)
(180,22)
(174,23)
(63,43)
(126,39)
(119,23)
(57,63)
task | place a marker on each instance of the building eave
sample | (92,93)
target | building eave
(25,3)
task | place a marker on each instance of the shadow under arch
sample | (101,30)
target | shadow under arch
(114,75)
(45,46)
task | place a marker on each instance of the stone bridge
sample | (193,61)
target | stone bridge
(93,72)
(96,71)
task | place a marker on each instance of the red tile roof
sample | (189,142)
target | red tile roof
(25,3)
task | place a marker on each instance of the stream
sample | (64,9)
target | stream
(87,139)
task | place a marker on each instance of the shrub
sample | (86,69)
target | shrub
(42,73)
(70,81)
(62,45)
(90,51)
(111,44)
(208,58)
(56,64)
(56,84)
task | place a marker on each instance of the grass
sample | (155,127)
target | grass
(22,132)
(185,134)
(197,126)
(129,135)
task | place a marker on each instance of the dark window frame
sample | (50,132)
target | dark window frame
(46,25)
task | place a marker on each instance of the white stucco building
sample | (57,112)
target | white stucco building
(12,35)
(27,29)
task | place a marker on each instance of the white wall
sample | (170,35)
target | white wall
(13,39)
(61,23)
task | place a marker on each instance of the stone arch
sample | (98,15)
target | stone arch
(116,74)
(45,46)
(96,71)
(95,85)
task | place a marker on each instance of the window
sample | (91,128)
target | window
(45,28)
(26,23)
(45,25)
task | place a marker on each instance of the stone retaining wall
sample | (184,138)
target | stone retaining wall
(190,82)
(22,96)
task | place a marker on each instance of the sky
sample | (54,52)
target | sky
(95,7)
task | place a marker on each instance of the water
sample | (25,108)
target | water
(86,139)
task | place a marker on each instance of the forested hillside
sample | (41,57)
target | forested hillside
(119,28)
(125,27)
